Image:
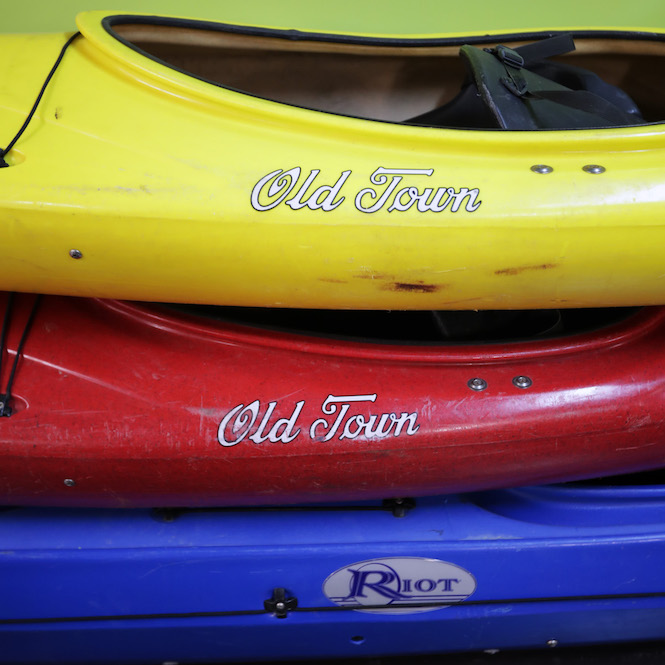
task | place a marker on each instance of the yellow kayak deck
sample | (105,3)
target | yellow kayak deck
(182,161)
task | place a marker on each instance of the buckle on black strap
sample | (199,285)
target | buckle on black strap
(507,56)
(517,86)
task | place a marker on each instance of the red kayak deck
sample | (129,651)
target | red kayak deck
(118,404)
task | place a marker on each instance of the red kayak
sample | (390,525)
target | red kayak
(118,404)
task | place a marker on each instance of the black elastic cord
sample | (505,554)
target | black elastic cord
(21,344)
(5,409)
(5,327)
(336,608)
(4,152)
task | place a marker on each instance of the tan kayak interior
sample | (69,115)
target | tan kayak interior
(384,82)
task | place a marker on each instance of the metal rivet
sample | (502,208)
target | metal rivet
(76,253)
(280,607)
(542,169)
(552,643)
(522,382)
(477,384)
(593,168)
(69,482)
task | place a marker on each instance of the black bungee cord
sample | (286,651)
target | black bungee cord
(6,395)
(5,152)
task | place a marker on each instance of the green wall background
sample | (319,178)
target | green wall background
(354,16)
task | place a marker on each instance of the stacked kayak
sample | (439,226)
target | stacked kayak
(535,568)
(311,304)
(122,405)
(244,166)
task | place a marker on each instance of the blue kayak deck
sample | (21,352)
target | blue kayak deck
(577,565)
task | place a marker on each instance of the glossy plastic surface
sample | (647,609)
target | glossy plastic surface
(189,586)
(138,406)
(176,190)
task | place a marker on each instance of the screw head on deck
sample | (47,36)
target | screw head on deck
(477,384)
(594,169)
(522,382)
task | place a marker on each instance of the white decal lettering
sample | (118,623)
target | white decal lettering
(279,186)
(340,422)
(241,425)
(296,202)
(287,434)
(281,183)
(471,204)
(412,428)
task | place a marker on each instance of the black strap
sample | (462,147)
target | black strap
(546,48)
(588,102)
(518,96)
(520,89)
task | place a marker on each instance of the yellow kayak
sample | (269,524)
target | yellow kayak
(188,161)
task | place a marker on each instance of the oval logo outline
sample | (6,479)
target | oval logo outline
(399,583)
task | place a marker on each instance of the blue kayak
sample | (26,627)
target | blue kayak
(521,568)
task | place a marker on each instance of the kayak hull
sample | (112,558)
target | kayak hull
(199,193)
(542,567)
(117,404)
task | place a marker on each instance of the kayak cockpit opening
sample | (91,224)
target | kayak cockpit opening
(603,79)
(422,328)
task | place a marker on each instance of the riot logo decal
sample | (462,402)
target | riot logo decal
(400,585)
